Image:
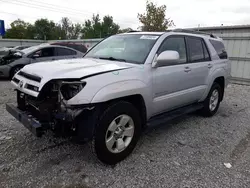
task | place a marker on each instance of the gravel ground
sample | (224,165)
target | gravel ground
(189,152)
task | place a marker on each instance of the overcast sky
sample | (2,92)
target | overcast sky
(185,13)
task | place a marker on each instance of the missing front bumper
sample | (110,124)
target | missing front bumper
(27,120)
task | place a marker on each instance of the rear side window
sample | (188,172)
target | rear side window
(65,52)
(220,48)
(206,54)
(197,50)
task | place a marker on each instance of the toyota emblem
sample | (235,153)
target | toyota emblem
(21,84)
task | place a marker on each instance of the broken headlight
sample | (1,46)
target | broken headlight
(70,89)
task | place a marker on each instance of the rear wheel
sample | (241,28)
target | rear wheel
(212,102)
(117,132)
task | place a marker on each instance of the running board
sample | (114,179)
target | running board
(167,116)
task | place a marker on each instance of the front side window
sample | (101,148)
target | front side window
(132,48)
(45,52)
(175,44)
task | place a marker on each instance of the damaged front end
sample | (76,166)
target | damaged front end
(50,111)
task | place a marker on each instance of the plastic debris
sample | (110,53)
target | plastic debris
(227,165)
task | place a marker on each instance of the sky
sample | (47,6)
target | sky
(184,13)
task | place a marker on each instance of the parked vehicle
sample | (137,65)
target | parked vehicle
(4,51)
(124,84)
(80,47)
(20,47)
(16,59)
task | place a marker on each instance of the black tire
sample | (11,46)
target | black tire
(112,112)
(206,111)
(14,70)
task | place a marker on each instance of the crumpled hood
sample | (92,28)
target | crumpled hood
(72,68)
(9,57)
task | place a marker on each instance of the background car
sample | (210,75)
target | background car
(4,51)
(80,47)
(15,60)
(20,47)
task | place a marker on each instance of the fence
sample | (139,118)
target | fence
(25,42)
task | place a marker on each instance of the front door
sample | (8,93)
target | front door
(176,85)
(44,54)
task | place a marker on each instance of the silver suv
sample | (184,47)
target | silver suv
(124,84)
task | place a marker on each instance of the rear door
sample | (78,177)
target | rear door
(65,53)
(199,64)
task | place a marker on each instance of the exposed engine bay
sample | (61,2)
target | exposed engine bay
(9,57)
(50,107)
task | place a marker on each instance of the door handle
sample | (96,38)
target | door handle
(209,65)
(187,69)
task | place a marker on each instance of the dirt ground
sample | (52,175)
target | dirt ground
(189,152)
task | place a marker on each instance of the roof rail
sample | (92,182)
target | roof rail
(193,32)
(132,31)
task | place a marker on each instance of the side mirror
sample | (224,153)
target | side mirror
(35,56)
(167,58)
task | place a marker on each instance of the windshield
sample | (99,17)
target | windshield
(29,50)
(132,48)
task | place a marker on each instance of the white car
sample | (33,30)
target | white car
(124,84)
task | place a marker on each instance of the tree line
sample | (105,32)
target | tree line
(153,19)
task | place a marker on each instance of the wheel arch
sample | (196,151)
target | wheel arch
(138,101)
(218,76)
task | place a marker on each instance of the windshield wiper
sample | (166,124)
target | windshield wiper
(112,59)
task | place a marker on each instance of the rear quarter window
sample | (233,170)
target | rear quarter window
(219,48)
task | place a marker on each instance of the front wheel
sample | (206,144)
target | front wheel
(14,70)
(212,102)
(117,132)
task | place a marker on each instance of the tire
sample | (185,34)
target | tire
(14,70)
(209,110)
(116,149)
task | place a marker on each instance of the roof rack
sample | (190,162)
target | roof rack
(193,32)
(132,31)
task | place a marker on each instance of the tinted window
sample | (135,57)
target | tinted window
(45,52)
(205,50)
(195,49)
(79,47)
(65,52)
(220,49)
(176,44)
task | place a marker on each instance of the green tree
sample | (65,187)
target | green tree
(45,29)
(70,30)
(155,18)
(97,28)
(19,30)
